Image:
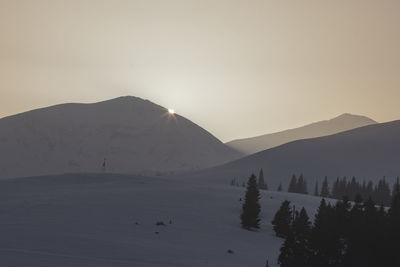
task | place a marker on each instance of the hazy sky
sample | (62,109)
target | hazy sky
(237,68)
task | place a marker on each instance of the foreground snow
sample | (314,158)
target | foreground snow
(90,220)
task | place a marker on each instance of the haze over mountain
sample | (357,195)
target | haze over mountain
(341,123)
(369,152)
(132,134)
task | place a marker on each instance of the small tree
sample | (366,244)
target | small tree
(280,188)
(261,182)
(301,185)
(396,187)
(325,188)
(316,189)
(293,185)
(282,220)
(251,206)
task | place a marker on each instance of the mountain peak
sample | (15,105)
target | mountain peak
(349,116)
(125,98)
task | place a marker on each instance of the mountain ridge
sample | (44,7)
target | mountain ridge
(368,153)
(343,122)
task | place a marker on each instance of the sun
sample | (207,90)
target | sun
(171,111)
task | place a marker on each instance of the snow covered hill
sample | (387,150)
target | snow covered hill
(132,134)
(369,153)
(97,220)
(339,124)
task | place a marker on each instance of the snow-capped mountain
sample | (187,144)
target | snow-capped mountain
(341,123)
(125,135)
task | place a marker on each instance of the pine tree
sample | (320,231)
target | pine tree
(393,238)
(282,220)
(335,189)
(343,188)
(280,187)
(369,190)
(261,182)
(295,251)
(342,216)
(382,192)
(301,185)
(301,225)
(301,230)
(251,206)
(352,188)
(356,233)
(298,185)
(325,188)
(286,258)
(396,187)
(372,235)
(325,240)
(316,189)
(304,187)
(293,185)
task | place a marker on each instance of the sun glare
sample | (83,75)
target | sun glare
(171,111)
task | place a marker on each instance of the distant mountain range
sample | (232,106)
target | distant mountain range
(126,135)
(339,124)
(369,153)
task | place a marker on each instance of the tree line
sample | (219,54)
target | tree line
(260,183)
(343,235)
(379,193)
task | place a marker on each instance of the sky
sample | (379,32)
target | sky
(236,68)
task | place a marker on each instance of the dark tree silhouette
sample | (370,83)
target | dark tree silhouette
(325,188)
(282,220)
(316,189)
(280,188)
(293,185)
(301,185)
(345,235)
(251,206)
(286,257)
(393,238)
(325,253)
(295,250)
(396,187)
(261,182)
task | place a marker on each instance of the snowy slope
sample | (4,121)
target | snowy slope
(369,153)
(339,124)
(86,220)
(134,135)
